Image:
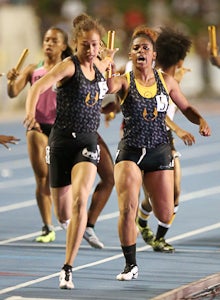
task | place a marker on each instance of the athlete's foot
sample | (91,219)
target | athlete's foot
(48,235)
(162,246)
(92,239)
(130,272)
(146,233)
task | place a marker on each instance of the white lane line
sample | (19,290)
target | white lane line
(200,194)
(57,228)
(18,205)
(201,168)
(184,197)
(60,246)
(186,171)
(22,298)
(113,248)
(17,183)
(198,151)
(16,164)
(24,237)
(110,258)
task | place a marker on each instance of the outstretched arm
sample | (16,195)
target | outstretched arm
(18,80)
(62,70)
(8,139)
(184,135)
(188,110)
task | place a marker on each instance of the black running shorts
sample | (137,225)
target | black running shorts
(67,149)
(46,128)
(148,160)
(171,139)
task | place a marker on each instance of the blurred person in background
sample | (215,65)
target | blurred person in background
(55,48)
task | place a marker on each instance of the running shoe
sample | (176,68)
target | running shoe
(92,239)
(47,235)
(146,233)
(162,246)
(130,272)
(65,279)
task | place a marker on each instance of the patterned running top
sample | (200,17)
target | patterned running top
(144,110)
(79,101)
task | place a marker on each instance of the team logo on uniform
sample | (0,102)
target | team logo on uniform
(148,116)
(91,101)
(92,155)
(47,156)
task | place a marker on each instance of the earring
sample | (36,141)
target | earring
(153,64)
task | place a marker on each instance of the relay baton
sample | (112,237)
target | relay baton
(21,59)
(212,40)
(110,46)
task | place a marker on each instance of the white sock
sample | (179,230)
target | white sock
(65,224)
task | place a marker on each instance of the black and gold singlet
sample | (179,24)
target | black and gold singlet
(144,110)
(79,101)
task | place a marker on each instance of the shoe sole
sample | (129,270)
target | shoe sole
(164,251)
(41,240)
(65,287)
(134,276)
(93,244)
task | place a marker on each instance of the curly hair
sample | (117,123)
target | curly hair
(146,32)
(171,47)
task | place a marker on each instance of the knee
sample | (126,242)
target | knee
(79,205)
(42,186)
(165,218)
(128,210)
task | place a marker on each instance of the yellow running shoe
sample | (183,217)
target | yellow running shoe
(162,246)
(146,233)
(47,235)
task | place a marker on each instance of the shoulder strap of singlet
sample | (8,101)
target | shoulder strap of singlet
(160,73)
(122,99)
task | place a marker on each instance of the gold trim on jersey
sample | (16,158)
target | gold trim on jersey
(144,91)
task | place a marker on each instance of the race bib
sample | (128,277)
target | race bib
(162,102)
(103,88)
